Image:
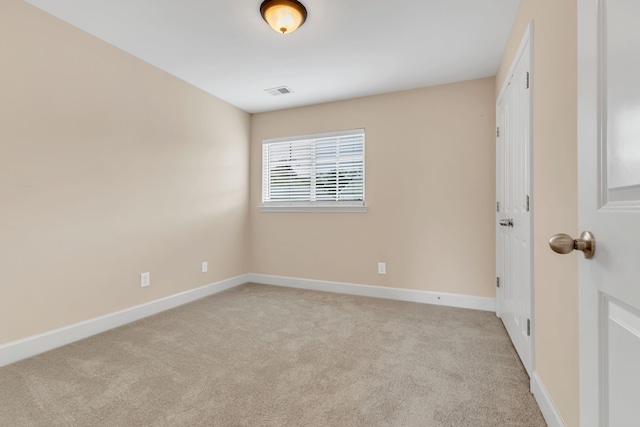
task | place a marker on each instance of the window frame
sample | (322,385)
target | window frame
(311,206)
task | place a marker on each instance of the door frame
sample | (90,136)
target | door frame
(590,386)
(526,42)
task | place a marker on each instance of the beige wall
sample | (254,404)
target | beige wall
(554,191)
(108,168)
(430,190)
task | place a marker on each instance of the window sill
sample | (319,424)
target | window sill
(313,208)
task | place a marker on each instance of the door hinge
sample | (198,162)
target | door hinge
(527,80)
(497,206)
(497,282)
(528,327)
(527,203)
(497,132)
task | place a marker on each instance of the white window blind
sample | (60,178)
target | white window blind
(314,170)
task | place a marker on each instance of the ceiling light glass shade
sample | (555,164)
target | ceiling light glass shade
(284,16)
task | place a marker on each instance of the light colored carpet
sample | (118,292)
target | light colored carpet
(266,356)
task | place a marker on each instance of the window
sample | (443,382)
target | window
(314,172)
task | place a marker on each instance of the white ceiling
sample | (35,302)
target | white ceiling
(346,49)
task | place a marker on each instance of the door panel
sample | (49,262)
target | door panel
(622,66)
(609,206)
(623,364)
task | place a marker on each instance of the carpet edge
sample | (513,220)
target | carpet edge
(399,294)
(545,402)
(30,346)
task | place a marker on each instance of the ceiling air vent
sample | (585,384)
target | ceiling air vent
(277,91)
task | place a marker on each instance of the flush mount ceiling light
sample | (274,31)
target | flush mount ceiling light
(284,16)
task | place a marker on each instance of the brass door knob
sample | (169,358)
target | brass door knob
(564,244)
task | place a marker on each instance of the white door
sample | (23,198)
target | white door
(513,213)
(609,206)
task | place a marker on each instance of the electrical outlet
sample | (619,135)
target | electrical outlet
(205,266)
(145,280)
(382,268)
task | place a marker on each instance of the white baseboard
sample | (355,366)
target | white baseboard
(30,346)
(400,294)
(547,407)
(27,347)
